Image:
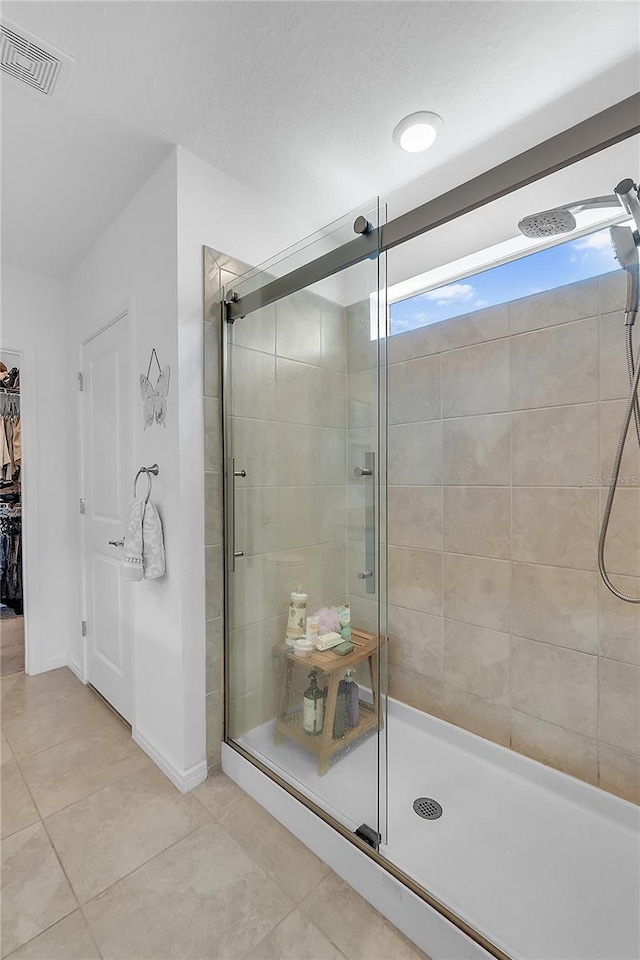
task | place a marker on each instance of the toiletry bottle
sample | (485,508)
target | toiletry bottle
(297,616)
(313,707)
(340,718)
(353,700)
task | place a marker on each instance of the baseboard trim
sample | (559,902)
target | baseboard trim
(184,780)
(75,668)
(53,663)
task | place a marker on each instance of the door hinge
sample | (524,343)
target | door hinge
(84,628)
(83,506)
(80,381)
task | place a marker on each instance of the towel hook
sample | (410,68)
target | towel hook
(155,470)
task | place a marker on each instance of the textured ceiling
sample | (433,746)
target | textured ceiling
(299,99)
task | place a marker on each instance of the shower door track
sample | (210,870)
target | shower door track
(598,132)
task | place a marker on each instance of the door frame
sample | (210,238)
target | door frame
(124,313)
(29,497)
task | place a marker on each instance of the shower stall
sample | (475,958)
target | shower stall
(437,466)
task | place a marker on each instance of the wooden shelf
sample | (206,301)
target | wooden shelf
(291,726)
(333,666)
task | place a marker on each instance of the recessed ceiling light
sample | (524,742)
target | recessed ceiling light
(417,132)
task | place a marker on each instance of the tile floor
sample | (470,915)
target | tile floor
(11,643)
(103,857)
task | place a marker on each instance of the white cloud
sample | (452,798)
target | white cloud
(595,241)
(454,293)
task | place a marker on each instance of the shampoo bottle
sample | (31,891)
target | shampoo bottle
(313,707)
(352,700)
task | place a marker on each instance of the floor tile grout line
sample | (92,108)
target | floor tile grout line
(64,873)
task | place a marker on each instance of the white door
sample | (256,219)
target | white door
(106,492)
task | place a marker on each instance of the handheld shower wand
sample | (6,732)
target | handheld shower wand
(625,247)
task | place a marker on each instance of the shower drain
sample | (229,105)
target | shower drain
(427,808)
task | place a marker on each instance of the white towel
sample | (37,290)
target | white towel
(144,556)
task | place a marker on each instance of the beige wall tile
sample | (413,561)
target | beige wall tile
(563,749)
(257,331)
(557,446)
(213,582)
(476,379)
(555,684)
(415,453)
(620,772)
(491,323)
(415,641)
(362,398)
(214,642)
(423,693)
(620,621)
(212,435)
(622,553)
(614,376)
(254,383)
(212,509)
(310,395)
(477,715)
(477,521)
(575,301)
(256,451)
(334,337)
(477,450)
(362,351)
(619,714)
(477,590)
(477,660)
(415,579)
(555,526)
(299,328)
(611,420)
(212,359)
(557,605)
(414,390)
(253,590)
(415,517)
(613,291)
(555,366)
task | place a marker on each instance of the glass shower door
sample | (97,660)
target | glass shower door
(305,480)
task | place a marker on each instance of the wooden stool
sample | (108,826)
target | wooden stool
(334,666)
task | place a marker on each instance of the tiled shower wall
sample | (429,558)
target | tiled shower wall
(289,434)
(502,429)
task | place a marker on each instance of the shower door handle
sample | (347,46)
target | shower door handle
(232,553)
(368,472)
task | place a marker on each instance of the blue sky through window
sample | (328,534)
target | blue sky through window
(579,259)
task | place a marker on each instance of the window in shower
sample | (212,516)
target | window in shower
(522,275)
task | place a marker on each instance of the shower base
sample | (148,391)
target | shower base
(544,866)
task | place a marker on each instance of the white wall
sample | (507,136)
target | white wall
(150,260)
(33,322)
(134,265)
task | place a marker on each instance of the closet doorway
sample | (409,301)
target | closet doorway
(106,491)
(12,624)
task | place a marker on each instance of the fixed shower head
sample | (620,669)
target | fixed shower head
(548,223)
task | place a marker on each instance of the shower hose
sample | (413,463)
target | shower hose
(632,411)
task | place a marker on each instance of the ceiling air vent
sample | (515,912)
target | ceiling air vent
(29,62)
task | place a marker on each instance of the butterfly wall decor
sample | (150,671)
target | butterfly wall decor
(154,398)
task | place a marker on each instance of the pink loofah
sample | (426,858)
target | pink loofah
(329,620)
